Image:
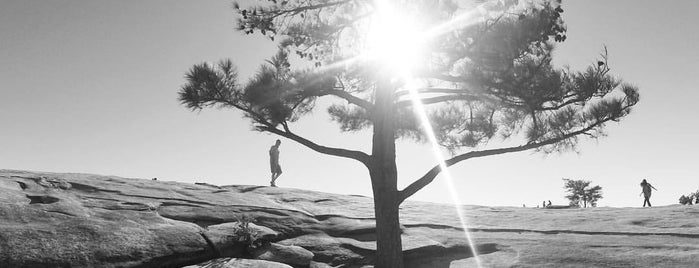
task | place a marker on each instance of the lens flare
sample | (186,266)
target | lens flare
(393,40)
(422,114)
(395,43)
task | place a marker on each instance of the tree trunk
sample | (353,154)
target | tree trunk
(389,251)
(384,179)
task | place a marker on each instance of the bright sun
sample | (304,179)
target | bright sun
(393,40)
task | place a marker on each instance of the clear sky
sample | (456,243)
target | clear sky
(91,87)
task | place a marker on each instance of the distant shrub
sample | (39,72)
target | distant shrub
(690,198)
(683,199)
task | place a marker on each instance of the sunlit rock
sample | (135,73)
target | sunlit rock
(82,220)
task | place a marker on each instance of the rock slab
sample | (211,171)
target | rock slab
(84,220)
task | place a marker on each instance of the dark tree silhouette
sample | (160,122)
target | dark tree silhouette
(484,81)
(689,199)
(684,200)
(579,191)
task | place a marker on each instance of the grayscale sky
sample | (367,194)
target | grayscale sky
(91,87)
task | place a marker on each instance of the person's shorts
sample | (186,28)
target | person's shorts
(275,168)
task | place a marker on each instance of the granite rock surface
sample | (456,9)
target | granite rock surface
(83,220)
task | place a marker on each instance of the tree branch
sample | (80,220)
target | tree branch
(434,90)
(561,105)
(432,173)
(450,94)
(433,100)
(356,155)
(297,10)
(444,77)
(349,98)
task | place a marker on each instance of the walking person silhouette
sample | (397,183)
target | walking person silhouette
(274,163)
(646,192)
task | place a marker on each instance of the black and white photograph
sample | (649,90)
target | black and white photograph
(349,133)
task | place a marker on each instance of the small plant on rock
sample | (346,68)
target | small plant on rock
(245,234)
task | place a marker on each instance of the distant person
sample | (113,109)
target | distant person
(543,204)
(274,162)
(646,192)
(697,200)
(549,204)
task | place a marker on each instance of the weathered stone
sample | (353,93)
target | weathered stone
(335,250)
(293,255)
(62,184)
(44,182)
(224,238)
(106,221)
(238,263)
(315,264)
(228,228)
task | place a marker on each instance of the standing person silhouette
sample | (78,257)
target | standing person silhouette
(646,192)
(274,162)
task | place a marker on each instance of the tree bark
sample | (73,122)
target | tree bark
(384,179)
(389,251)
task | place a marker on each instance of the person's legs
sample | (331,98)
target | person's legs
(273,170)
(277,171)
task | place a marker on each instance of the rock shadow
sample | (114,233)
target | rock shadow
(243,190)
(22,185)
(42,199)
(440,257)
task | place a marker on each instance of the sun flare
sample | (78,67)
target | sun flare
(397,45)
(393,40)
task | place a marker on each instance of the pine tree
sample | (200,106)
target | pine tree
(482,80)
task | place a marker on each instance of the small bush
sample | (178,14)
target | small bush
(690,198)
(246,235)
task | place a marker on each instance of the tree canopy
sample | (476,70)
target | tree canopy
(484,75)
(580,191)
(483,80)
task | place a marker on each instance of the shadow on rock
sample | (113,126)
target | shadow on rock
(441,257)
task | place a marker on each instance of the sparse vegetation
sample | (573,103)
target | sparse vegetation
(246,235)
(690,198)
